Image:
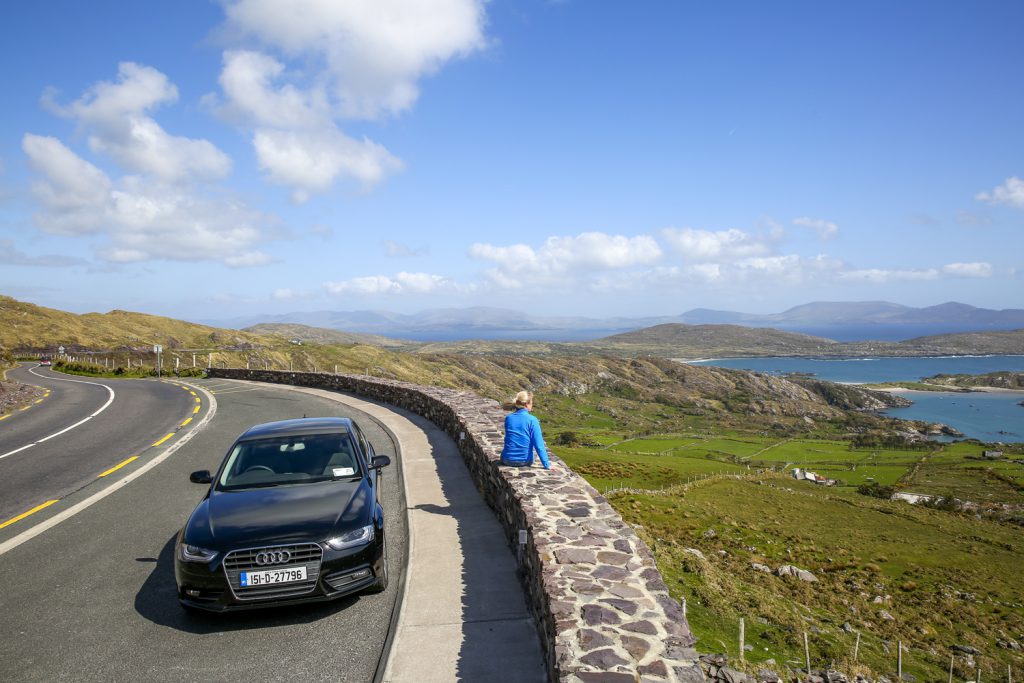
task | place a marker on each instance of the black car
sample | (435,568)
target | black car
(292,515)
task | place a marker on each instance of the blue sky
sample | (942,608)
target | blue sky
(208,160)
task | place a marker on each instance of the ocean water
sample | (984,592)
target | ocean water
(995,416)
(985,416)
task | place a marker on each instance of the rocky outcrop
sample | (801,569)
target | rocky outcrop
(602,608)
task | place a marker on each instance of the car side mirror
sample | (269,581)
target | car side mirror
(380,461)
(201,477)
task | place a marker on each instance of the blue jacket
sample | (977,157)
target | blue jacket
(522,437)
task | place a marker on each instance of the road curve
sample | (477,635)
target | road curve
(79,430)
(93,598)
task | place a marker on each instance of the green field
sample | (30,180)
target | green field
(942,577)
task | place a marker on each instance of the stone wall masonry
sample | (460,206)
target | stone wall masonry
(602,608)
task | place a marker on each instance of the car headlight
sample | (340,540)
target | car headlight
(193,553)
(349,539)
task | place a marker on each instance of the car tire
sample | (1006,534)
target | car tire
(382,581)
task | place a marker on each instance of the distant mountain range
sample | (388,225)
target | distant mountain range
(842,321)
(27,329)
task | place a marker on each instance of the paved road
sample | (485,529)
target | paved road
(93,598)
(116,420)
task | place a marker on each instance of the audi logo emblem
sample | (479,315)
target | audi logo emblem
(273,557)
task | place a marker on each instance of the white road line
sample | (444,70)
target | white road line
(66,429)
(115,486)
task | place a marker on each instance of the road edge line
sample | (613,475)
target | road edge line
(32,532)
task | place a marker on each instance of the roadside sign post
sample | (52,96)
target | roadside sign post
(157,349)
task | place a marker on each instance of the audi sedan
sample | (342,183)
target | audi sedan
(292,515)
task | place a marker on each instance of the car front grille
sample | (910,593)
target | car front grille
(308,555)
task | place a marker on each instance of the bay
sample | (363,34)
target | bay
(984,415)
(987,416)
(873,370)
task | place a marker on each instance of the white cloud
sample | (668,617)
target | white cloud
(565,257)
(373,52)
(359,59)
(74,192)
(248,82)
(402,283)
(310,161)
(296,141)
(882,276)
(775,268)
(286,294)
(709,246)
(1010,193)
(141,219)
(979,270)
(876,275)
(115,117)
(825,229)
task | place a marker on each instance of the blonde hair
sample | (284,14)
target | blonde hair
(523,398)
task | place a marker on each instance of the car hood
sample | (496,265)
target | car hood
(281,514)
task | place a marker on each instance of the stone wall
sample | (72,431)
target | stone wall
(603,610)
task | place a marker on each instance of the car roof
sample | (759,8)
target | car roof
(305,425)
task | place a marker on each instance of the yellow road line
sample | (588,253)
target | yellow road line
(197,400)
(192,392)
(186,422)
(4,417)
(25,408)
(115,468)
(39,400)
(196,410)
(23,515)
(164,439)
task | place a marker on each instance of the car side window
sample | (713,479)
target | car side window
(365,446)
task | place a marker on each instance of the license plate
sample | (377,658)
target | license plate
(271,576)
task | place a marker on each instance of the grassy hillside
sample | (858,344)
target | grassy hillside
(998,380)
(692,341)
(27,327)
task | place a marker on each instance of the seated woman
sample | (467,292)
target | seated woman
(523,435)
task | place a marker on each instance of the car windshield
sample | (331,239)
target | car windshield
(289,460)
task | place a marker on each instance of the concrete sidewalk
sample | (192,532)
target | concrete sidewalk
(464,615)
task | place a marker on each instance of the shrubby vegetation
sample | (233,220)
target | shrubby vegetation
(95,370)
(876,490)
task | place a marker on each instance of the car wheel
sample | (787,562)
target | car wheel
(382,581)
